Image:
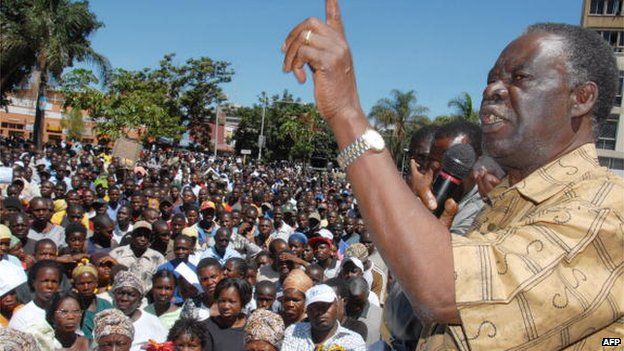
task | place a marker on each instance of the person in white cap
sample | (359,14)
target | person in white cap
(323,331)
(12,277)
(323,246)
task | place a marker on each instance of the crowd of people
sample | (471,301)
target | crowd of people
(183,249)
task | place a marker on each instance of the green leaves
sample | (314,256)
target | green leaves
(42,38)
(73,123)
(293,130)
(161,102)
(397,117)
(464,107)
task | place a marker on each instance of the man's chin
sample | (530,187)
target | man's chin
(322,326)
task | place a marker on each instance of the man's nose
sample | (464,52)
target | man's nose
(495,91)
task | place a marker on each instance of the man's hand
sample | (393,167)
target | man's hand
(321,45)
(285,256)
(28,260)
(244,228)
(450,210)
(485,182)
(421,185)
(488,175)
(71,258)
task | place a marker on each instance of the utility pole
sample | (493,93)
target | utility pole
(261,137)
(405,151)
(216,139)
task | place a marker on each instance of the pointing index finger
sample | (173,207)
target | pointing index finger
(332,15)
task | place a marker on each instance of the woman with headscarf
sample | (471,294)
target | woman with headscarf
(293,299)
(128,292)
(226,329)
(113,331)
(85,281)
(264,331)
(12,339)
(63,315)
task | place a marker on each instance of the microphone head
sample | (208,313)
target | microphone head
(458,160)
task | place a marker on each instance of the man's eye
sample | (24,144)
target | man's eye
(518,77)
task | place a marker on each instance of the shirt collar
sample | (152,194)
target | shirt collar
(552,178)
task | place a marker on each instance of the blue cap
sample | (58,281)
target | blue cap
(298,236)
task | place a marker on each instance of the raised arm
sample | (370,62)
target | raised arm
(416,246)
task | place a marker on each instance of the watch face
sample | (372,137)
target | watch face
(375,140)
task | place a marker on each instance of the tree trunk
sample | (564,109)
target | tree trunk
(40,108)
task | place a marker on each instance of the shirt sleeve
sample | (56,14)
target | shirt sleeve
(18,322)
(550,279)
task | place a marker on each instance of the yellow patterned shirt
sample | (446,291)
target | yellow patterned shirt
(542,267)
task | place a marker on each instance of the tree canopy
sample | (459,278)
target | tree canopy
(159,102)
(293,130)
(41,38)
(464,107)
(397,117)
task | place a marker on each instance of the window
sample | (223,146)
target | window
(620,91)
(612,7)
(54,138)
(612,163)
(608,133)
(596,7)
(615,38)
(12,125)
(606,7)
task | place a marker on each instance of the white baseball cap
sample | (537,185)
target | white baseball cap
(189,275)
(12,276)
(320,293)
(324,233)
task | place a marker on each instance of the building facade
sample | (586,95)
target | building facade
(18,118)
(607,18)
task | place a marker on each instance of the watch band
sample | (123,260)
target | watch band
(354,150)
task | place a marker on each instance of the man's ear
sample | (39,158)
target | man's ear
(583,99)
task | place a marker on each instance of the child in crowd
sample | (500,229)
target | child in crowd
(265,295)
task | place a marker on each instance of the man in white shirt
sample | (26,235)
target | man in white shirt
(323,329)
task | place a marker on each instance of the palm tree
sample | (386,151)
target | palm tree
(52,34)
(397,116)
(464,107)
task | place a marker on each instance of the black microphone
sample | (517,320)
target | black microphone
(456,166)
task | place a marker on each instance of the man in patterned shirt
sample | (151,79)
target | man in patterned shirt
(137,256)
(542,266)
(323,331)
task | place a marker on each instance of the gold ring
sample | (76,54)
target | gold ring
(307,37)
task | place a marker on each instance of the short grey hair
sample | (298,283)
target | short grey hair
(589,58)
